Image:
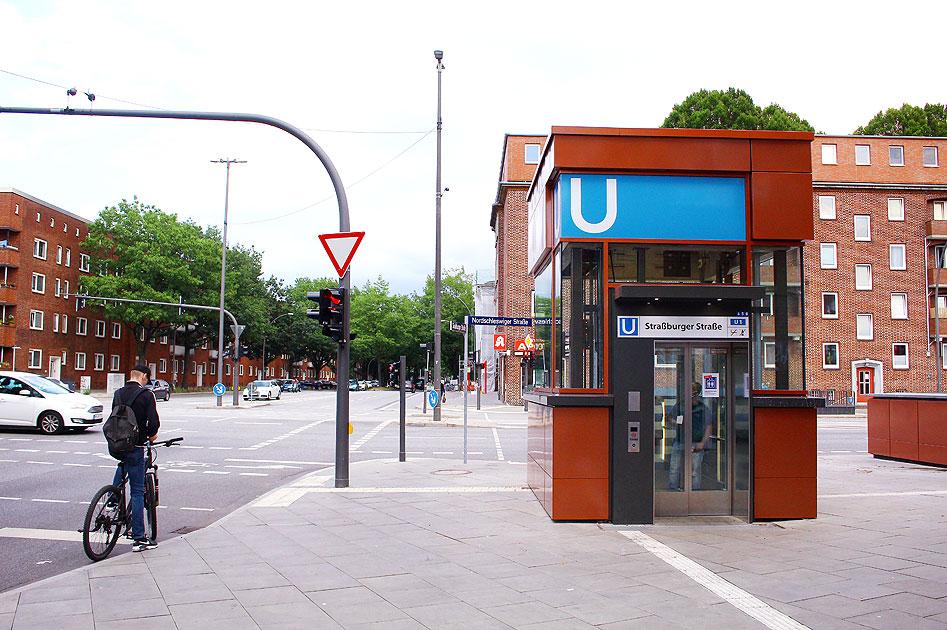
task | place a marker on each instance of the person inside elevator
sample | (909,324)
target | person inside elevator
(701,429)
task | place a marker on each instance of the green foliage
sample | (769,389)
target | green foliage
(732,109)
(908,120)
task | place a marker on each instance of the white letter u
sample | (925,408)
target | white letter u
(611,207)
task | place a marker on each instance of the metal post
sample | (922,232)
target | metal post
(236,366)
(939,261)
(427,369)
(223,276)
(466,386)
(401,435)
(479,369)
(439,55)
(343,358)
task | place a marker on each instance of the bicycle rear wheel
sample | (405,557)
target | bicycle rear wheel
(151,508)
(103,523)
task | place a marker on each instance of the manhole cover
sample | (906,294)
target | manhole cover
(185,530)
(451,472)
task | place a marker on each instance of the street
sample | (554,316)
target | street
(228,458)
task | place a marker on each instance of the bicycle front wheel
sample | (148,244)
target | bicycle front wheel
(103,523)
(151,508)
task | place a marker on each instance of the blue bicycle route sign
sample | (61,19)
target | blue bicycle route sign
(432,398)
(219,389)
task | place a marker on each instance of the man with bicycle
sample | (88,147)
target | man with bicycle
(146,414)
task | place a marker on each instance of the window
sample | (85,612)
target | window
(826,207)
(58,287)
(830,356)
(864,326)
(862,227)
(863,277)
(37,217)
(193,367)
(241,369)
(930,156)
(164,340)
(36,358)
(82,326)
(827,256)
(68,260)
(36,320)
(115,363)
(940,210)
(80,360)
(55,322)
(99,328)
(213,368)
(896,209)
(116,330)
(532,154)
(862,155)
(899,356)
(65,322)
(39,283)
(142,335)
(59,254)
(162,365)
(899,306)
(829,154)
(830,305)
(39,248)
(83,262)
(99,362)
(769,354)
(669,264)
(174,366)
(227,369)
(895,155)
(897,256)
(65,291)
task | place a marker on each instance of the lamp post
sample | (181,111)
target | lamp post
(439,56)
(264,342)
(223,276)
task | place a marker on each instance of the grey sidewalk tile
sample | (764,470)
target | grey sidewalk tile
(125,609)
(53,593)
(41,610)
(598,611)
(912,604)
(8,601)
(927,572)
(273,595)
(258,575)
(840,607)
(82,621)
(885,563)
(317,576)
(896,620)
(6,621)
(525,613)
(393,624)
(919,586)
(494,595)
(131,586)
(200,616)
(164,622)
(410,598)
(302,614)
(454,615)
(191,589)
(112,569)
(814,619)
(558,624)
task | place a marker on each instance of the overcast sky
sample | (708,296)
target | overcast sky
(368,67)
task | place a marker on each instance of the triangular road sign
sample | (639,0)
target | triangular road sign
(341,248)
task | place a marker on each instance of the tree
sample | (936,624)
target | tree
(456,285)
(298,336)
(732,109)
(382,323)
(139,252)
(908,120)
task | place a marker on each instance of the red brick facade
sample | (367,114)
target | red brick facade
(41,241)
(865,190)
(514,286)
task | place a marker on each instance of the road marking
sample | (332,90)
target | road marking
(20,439)
(759,610)
(194,509)
(426,490)
(82,465)
(216,472)
(443,453)
(496,440)
(56,452)
(372,433)
(49,534)
(254,474)
(82,453)
(181,470)
(909,493)
(224,418)
(276,461)
(76,441)
(381,452)
(220,448)
(49,500)
(11,498)
(9,461)
(27,450)
(32,462)
(284,436)
(267,424)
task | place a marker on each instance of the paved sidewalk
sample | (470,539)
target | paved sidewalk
(436,544)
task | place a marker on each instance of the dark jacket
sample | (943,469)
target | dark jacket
(145,408)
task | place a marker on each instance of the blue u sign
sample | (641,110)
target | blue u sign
(627,326)
(432,398)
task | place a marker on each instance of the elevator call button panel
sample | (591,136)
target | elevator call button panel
(634,437)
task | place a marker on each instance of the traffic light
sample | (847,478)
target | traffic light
(394,375)
(331,311)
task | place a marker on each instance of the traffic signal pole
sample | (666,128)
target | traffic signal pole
(342,364)
(401,418)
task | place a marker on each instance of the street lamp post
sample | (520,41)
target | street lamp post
(223,277)
(264,342)
(439,56)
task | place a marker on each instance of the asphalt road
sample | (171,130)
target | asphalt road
(228,458)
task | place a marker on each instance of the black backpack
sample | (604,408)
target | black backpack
(121,428)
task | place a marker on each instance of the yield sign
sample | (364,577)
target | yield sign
(341,248)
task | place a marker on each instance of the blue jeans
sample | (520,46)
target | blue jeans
(135,469)
(677,462)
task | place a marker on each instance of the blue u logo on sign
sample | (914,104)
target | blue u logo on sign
(627,326)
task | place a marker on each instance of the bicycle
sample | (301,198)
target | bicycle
(110,512)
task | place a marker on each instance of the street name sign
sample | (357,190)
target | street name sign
(492,320)
(341,248)
(458,327)
(699,327)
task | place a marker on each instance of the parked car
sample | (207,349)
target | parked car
(161,389)
(61,383)
(307,384)
(257,390)
(353,385)
(326,384)
(287,384)
(34,401)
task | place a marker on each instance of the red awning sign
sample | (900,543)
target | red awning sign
(341,248)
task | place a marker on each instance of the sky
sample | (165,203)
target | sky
(361,79)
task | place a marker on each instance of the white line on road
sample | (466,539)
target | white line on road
(216,472)
(20,439)
(381,452)
(49,500)
(254,474)
(32,462)
(11,498)
(908,493)
(276,461)
(76,441)
(496,440)
(56,452)
(27,450)
(284,436)
(9,461)
(194,509)
(224,418)
(268,424)
(220,448)
(82,465)
(372,433)
(48,534)
(442,453)
(756,608)
(181,470)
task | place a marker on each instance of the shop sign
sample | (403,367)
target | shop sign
(499,342)
(710,385)
(669,327)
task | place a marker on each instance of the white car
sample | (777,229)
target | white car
(262,390)
(34,401)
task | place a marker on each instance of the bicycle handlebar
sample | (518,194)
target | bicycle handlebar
(170,442)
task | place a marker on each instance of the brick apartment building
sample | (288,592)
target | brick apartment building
(508,219)
(880,229)
(41,267)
